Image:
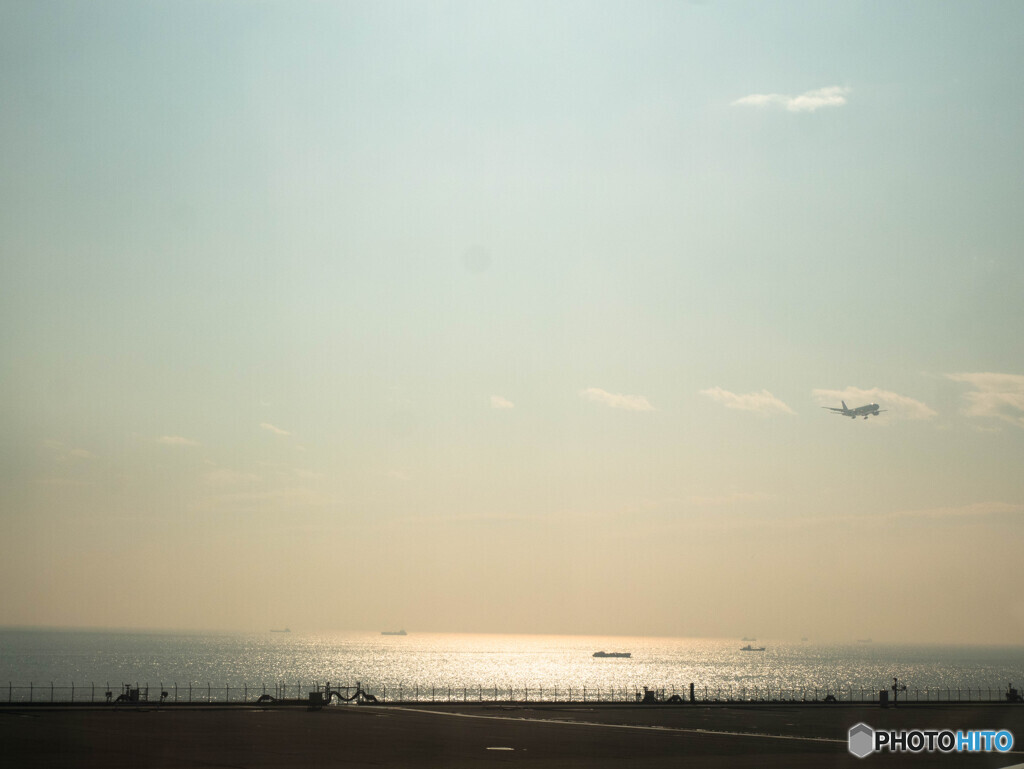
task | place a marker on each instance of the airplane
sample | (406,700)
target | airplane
(861,411)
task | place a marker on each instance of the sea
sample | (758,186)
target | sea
(41,664)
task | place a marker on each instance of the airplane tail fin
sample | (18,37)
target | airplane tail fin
(844,405)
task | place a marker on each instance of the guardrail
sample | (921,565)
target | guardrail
(244,693)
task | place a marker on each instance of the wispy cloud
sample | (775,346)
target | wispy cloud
(483,518)
(274,430)
(974,510)
(61,452)
(497,402)
(1000,396)
(616,400)
(271,500)
(809,101)
(176,440)
(225,477)
(963,513)
(762,403)
(896,404)
(730,499)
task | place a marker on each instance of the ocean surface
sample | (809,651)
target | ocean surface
(438,666)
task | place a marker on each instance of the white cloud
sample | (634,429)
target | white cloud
(617,401)
(497,402)
(1000,396)
(894,403)
(762,403)
(274,430)
(832,96)
(176,440)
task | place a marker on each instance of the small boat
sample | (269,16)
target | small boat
(393,632)
(749,648)
(282,630)
(613,654)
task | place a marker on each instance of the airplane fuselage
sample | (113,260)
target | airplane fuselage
(870,410)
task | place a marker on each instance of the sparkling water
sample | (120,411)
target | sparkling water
(440,666)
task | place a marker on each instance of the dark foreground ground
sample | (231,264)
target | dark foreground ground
(481,736)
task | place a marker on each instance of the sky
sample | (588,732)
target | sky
(513,317)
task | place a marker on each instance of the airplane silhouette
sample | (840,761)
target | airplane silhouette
(861,411)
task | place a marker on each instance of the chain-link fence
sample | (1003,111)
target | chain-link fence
(195,693)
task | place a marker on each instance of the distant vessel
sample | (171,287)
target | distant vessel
(393,632)
(283,630)
(864,640)
(749,648)
(613,654)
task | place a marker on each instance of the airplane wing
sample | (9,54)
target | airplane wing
(838,411)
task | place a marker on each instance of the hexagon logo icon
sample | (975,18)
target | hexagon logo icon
(861,740)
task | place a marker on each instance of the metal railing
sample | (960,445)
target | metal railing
(207,693)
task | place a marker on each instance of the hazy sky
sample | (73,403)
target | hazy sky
(513,317)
